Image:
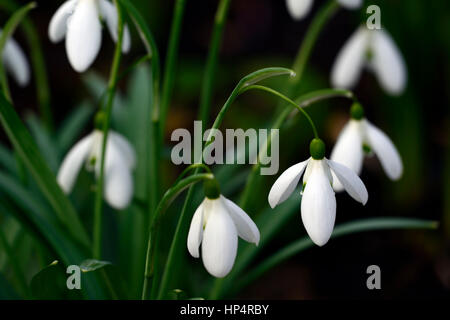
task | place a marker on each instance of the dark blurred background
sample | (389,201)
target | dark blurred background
(260,33)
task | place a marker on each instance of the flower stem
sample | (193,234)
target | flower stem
(168,197)
(112,84)
(171,59)
(211,64)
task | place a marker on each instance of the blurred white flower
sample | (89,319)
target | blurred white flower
(359,134)
(298,9)
(216,225)
(120,160)
(80,19)
(16,63)
(376,50)
(318,207)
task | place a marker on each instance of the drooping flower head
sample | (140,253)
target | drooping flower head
(120,160)
(375,50)
(15,62)
(318,207)
(299,9)
(79,21)
(359,138)
(215,226)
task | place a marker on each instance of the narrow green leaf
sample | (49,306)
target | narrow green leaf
(90,265)
(30,155)
(263,74)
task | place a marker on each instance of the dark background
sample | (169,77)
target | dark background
(260,33)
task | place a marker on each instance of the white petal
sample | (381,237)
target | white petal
(388,63)
(385,150)
(245,226)
(16,62)
(109,12)
(72,163)
(196,232)
(125,148)
(318,204)
(348,150)
(84,35)
(350,180)
(58,25)
(286,183)
(350,60)
(298,9)
(350,4)
(118,185)
(219,246)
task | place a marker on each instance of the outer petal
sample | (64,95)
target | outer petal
(298,9)
(118,178)
(318,204)
(84,35)
(245,226)
(109,12)
(125,148)
(350,60)
(348,150)
(58,25)
(286,183)
(350,180)
(385,150)
(196,232)
(219,246)
(16,63)
(72,163)
(388,63)
(350,4)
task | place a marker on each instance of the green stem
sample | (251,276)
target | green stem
(168,197)
(341,230)
(171,61)
(112,84)
(211,64)
(310,39)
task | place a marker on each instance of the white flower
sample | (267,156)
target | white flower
(120,159)
(80,19)
(375,50)
(300,8)
(349,149)
(216,225)
(15,62)
(318,205)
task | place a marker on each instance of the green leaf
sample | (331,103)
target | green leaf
(90,265)
(263,74)
(50,284)
(341,230)
(31,157)
(6,290)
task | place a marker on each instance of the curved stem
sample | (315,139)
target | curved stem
(211,64)
(289,101)
(168,197)
(97,241)
(171,59)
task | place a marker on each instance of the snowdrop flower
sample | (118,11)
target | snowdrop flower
(120,160)
(300,8)
(375,50)
(358,137)
(216,225)
(15,62)
(80,19)
(318,207)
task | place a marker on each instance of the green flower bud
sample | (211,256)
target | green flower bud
(99,120)
(211,188)
(317,149)
(357,111)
